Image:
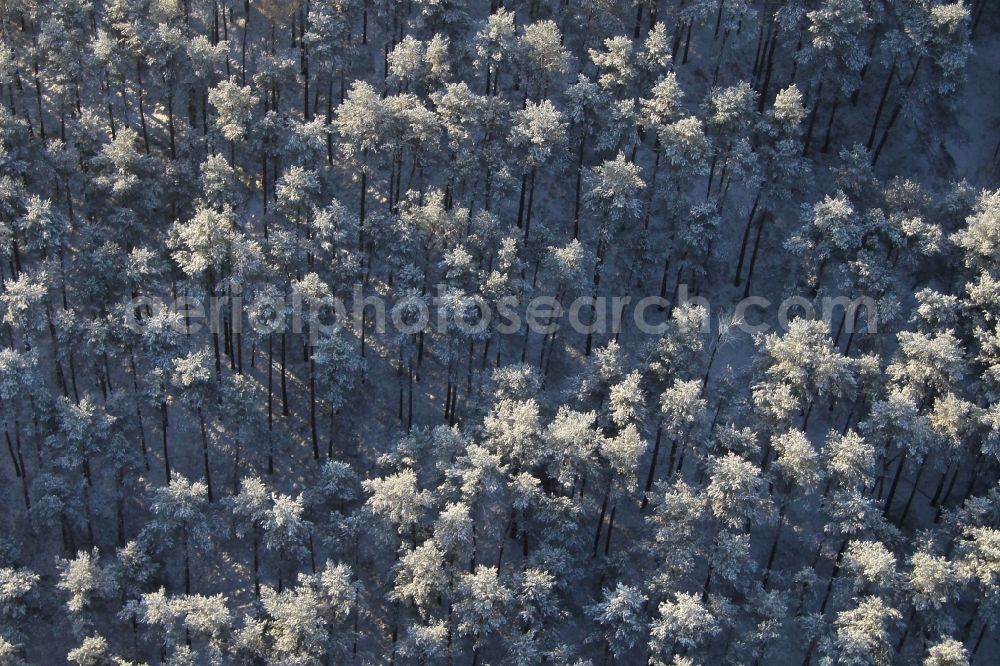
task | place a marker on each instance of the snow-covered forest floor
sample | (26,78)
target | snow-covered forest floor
(695,494)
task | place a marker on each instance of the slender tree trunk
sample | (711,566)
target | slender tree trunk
(187,563)
(829,127)
(142,110)
(881,106)
(531,201)
(812,119)
(579,184)
(312,409)
(687,42)
(758,58)
(270,402)
(895,482)
(611,526)
(913,491)
(764,94)
(774,545)
(409,397)
(163,429)
(38,97)
(521,199)
(652,466)
(833,577)
(600,518)
(329,441)
(885,133)
(753,256)
(170,122)
(718,18)
(284,381)
(746,238)
(256,565)
(204,453)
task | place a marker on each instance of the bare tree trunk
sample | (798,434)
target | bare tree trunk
(895,482)
(756,248)
(312,408)
(881,106)
(600,518)
(812,118)
(204,453)
(284,381)
(163,429)
(579,183)
(142,110)
(652,466)
(531,201)
(746,238)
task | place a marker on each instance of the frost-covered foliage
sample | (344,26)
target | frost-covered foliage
(442,332)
